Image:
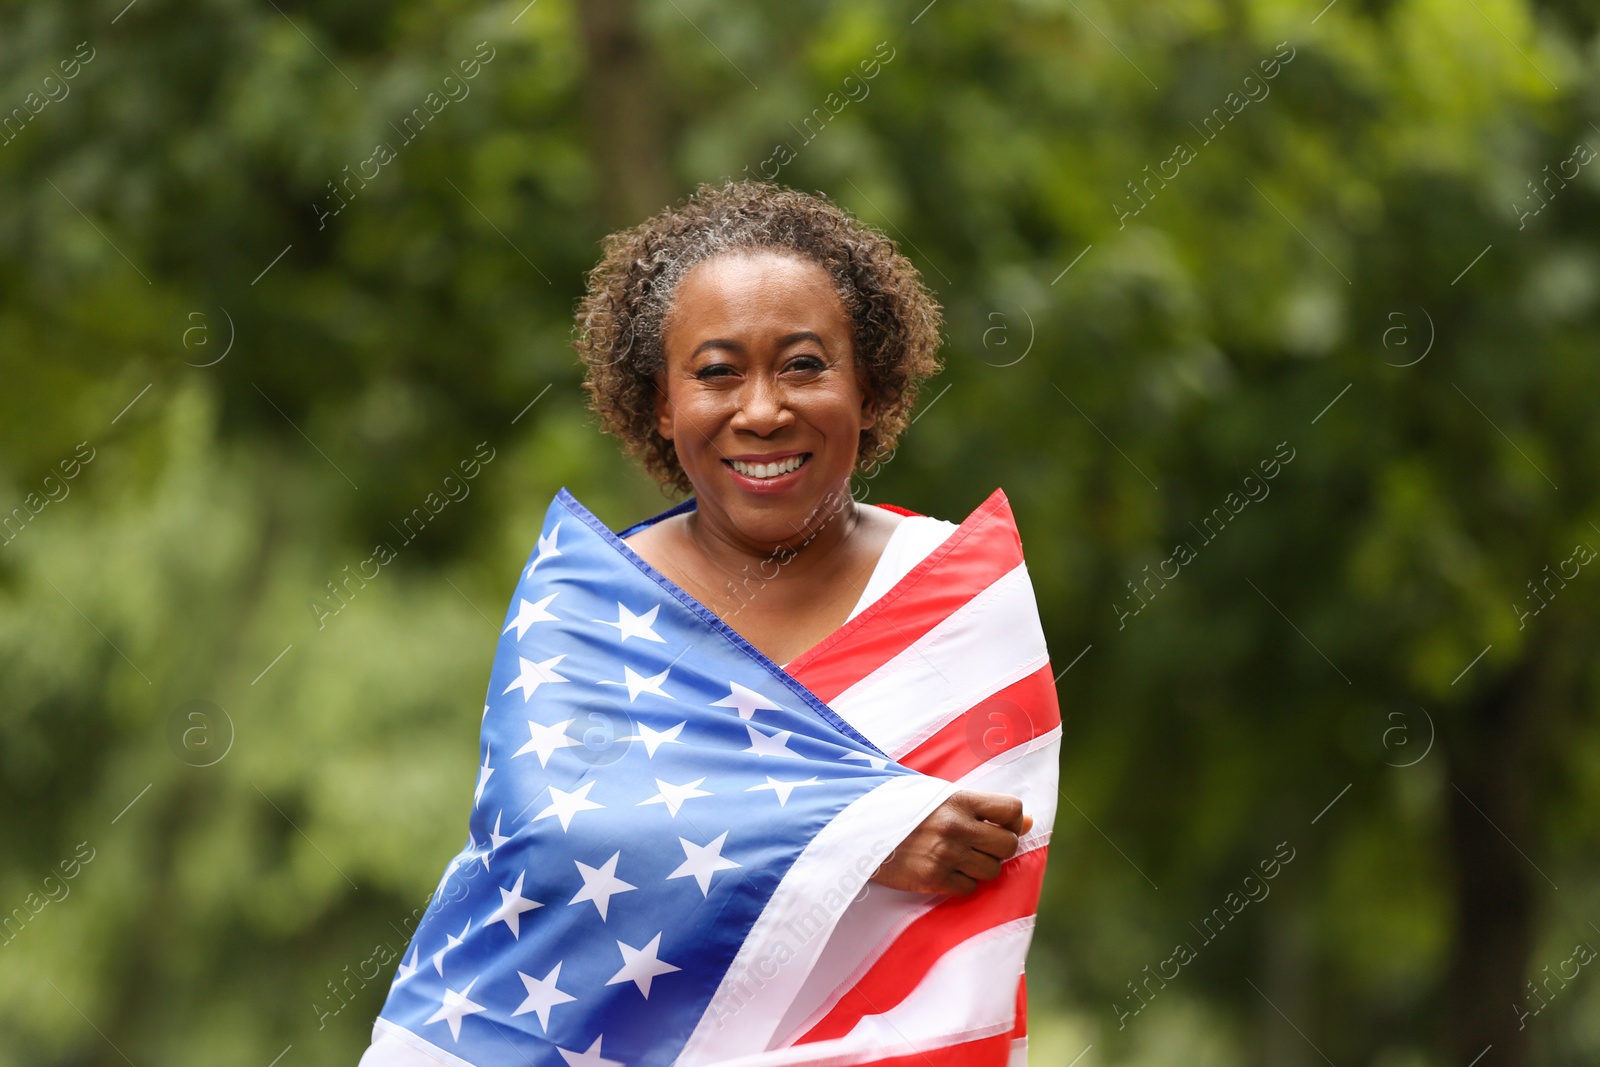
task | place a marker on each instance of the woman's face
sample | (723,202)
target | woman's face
(761,396)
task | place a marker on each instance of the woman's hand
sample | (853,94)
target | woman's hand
(961,844)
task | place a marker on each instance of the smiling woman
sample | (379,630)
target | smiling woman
(893,320)
(758,345)
(765,407)
(863,752)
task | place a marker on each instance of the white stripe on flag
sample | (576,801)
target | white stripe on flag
(947,1008)
(983,646)
(785,941)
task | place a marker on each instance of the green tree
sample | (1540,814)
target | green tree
(1161,267)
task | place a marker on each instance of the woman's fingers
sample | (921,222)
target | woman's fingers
(980,866)
(1002,809)
(991,840)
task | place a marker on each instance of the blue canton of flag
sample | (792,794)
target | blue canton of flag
(646,778)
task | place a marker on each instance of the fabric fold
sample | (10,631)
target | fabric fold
(667,829)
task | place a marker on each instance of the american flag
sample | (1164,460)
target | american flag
(670,836)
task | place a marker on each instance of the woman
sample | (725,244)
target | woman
(757,347)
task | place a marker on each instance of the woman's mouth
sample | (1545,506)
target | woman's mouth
(767,471)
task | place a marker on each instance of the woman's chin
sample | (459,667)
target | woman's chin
(785,510)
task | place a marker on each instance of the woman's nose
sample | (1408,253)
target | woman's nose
(763,407)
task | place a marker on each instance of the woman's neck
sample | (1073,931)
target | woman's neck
(814,543)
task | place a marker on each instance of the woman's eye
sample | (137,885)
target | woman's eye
(714,371)
(807,363)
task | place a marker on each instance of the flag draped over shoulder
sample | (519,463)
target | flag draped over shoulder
(670,836)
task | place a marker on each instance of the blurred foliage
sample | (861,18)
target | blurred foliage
(1366,259)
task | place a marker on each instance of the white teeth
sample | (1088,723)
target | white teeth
(768,470)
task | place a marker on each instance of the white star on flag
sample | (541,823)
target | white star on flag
(877,763)
(406,970)
(456,1006)
(450,942)
(588,1058)
(747,700)
(641,965)
(528,614)
(673,796)
(544,740)
(547,550)
(512,905)
(702,861)
(630,625)
(654,739)
(542,996)
(765,744)
(533,675)
(495,837)
(638,683)
(783,789)
(564,805)
(600,884)
(484,773)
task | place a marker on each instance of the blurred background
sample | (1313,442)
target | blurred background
(1276,321)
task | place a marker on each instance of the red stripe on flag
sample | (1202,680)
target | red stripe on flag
(983,549)
(898,972)
(985,1052)
(1021,1029)
(1015,715)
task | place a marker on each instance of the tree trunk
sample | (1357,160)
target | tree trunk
(623,116)
(1491,759)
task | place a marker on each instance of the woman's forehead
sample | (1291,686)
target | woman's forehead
(756,293)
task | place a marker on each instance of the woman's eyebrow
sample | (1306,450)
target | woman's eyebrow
(716,342)
(801,335)
(783,342)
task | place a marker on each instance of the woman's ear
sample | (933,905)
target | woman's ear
(663,410)
(869,401)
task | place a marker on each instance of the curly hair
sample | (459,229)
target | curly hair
(621,318)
